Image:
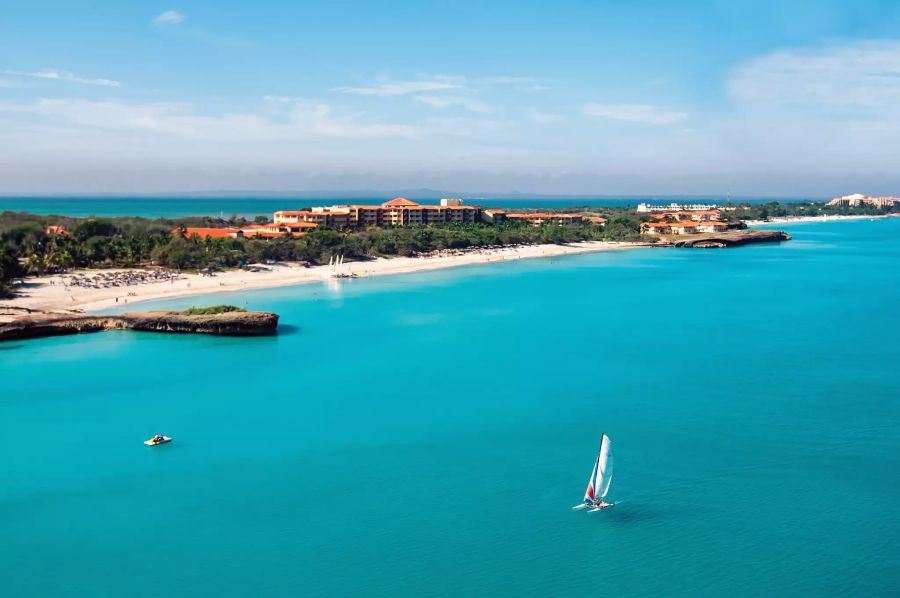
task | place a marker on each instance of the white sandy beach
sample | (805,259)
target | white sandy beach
(801,219)
(52,293)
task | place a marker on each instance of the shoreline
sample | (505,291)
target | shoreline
(803,219)
(49,294)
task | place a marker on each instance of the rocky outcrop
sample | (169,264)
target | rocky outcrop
(733,238)
(238,323)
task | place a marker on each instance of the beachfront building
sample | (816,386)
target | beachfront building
(272,230)
(685,222)
(58,229)
(493,215)
(396,212)
(646,208)
(662,227)
(269,230)
(858,199)
(207,232)
(713,215)
(540,218)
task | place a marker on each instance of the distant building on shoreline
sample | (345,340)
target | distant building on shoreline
(646,208)
(858,199)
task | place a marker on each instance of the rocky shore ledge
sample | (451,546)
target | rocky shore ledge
(236,323)
(733,238)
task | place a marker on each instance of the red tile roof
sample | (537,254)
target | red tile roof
(399,202)
(213,233)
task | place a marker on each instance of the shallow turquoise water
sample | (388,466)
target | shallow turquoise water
(427,434)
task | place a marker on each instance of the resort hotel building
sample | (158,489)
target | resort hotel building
(396,212)
(685,222)
(858,199)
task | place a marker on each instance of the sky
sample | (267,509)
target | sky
(753,98)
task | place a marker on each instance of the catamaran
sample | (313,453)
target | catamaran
(601,478)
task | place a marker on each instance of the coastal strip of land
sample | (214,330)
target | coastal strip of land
(52,293)
(830,218)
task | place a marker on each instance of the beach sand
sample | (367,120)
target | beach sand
(801,219)
(49,293)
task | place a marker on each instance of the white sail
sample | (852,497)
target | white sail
(591,493)
(604,466)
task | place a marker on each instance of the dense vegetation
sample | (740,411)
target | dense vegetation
(211,310)
(26,247)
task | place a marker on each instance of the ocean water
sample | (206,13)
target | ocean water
(179,207)
(427,434)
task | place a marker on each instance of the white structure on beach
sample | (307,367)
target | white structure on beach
(646,208)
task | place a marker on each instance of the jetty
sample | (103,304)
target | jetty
(229,323)
(734,238)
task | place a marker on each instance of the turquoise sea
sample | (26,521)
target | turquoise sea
(428,434)
(179,207)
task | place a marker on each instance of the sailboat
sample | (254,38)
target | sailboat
(600,480)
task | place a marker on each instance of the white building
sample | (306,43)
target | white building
(675,207)
(858,199)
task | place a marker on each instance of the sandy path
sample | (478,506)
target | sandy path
(49,293)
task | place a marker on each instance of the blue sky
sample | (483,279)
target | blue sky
(755,98)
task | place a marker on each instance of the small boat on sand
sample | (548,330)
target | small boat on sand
(600,480)
(158,439)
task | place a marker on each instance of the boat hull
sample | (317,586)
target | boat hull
(157,442)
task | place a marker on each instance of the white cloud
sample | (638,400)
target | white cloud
(819,111)
(858,79)
(404,87)
(170,17)
(541,117)
(637,113)
(63,76)
(443,102)
(301,119)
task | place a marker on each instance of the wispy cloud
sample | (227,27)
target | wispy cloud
(858,78)
(636,113)
(541,117)
(443,102)
(170,17)
(301,118)
(64,76)
(404,87)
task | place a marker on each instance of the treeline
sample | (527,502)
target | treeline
(27,248)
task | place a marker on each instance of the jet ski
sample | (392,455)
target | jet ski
(158,439)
